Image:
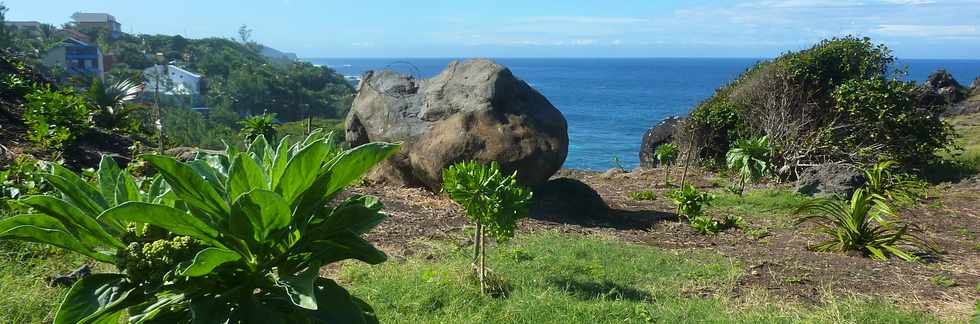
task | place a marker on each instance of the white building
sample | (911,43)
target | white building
(98,20)
(173,80)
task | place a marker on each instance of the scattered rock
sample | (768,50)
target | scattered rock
(830,179)
(185,154)
(612,173)
(662,133)
(943,84)
(71,278)
(473,110)
(566,199)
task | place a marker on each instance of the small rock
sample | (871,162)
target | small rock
(71,278)
(662,133)
(830,179)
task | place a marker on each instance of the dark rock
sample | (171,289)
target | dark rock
(943,84)
(71,278)
(474,110)
(830,179)
(566,199)
(975,86)
(662,133)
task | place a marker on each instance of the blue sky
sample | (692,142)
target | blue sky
(522,28)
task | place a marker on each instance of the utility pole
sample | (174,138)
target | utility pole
(156,101)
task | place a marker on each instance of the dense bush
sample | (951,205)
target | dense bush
(56,117)
(749,159)
(244,235)
(255,126)
(666,154)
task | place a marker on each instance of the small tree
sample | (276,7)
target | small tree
(110,101)
(492,200)
(749,159)
(666,154)
(255,126)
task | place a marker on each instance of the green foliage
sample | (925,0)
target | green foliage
(56,117)
(885,185)
(884,121)
(749,159)
(110,102)
(643,195)
(490,198)
(185,127)
(943,281)
(5,37)
(707,225)
(260,222)
(835,61)
(690,201)
(666,154)
(261,125)
(860,225)
(976,315)
(717,122)
(22,177)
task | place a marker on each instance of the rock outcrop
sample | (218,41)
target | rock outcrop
(473,110)
(662,133)
(567,200)
(975,86)
(829,180)
(943,84)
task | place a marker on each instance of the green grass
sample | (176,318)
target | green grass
(778,204)
(644,195)
(297,129)
(561,278)
(24,294)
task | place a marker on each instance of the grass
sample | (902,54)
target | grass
(563,278)
(644,195)
(24,294)
(777,204)
(967,162)
(297,129)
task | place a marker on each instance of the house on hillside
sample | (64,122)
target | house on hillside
(98,20)
(23,24)
(172,79)
(76,57)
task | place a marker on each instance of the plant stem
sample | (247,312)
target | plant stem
(483,259)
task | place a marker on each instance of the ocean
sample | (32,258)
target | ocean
(610,103)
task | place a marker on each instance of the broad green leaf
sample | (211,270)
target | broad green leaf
(301,171)
(279,162)
(244,175)
(354,163)
(82,195)
(90,295)
(190,187)
(357,214)
(75,220)
(125,189)
(257,149)
(343,246)
(338,306)
(258,213)
(300,287)
(47,230)
(210,310)
(168,218)
(206,168)
(208,259)
(108,176)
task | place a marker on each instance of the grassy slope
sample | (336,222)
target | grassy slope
(561,278)
(24,294)
(968,127)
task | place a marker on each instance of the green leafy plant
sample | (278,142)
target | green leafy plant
(111,100)
(55,117)
(859,226)
(691,203)
(976,315)
(749,159)
(492,200)
(666,154)
(943,281)
(261,125)
(885,185)
(643,195)
(234,237)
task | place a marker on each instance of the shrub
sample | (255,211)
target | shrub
(883,120)
(492,200)
(708,225)
(643,195)
(112,110)
(666,154)
(690,201)
(55,117)
(859,226)
(885,185)
(22,177)
(255,126)
(749,159)
(257,222)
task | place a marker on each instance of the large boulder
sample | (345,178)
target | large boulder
(473,110)
(943,84)
(568,200)
(830,179)
(662,133)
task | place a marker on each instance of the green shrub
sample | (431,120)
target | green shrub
(112,102)
(492,200)
(976,315)
(749,159)
(23,177)
(885,185)
(643,195)
(56,117)
(666,154)
(255,126)
(943,281)
(262,222)
(708,225)
(860,226)
(882,120)
(690,201)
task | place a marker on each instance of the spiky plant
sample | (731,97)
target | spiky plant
(111,101)
(261,125)
(666,154)
(749,159)
(885,185)
(861,225)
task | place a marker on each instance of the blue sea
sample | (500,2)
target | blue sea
(610,103)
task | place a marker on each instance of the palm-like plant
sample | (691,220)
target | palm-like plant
(886,186)
(111,101)
(749,158)
(261,125)
(860,225)
(252,229)
(666,154)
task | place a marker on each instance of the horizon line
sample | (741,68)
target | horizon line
(592,57)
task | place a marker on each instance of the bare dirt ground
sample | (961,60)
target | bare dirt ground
(776,262)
